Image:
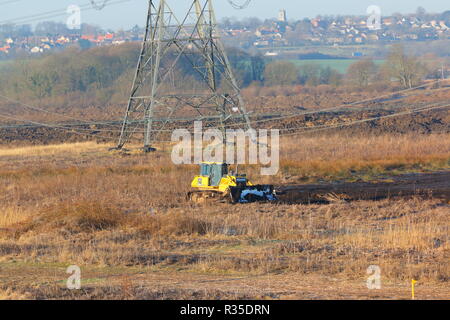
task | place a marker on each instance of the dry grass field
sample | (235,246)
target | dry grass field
(123,218)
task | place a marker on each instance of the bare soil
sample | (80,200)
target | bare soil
(429,185)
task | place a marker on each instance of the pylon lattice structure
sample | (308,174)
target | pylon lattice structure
(183,70)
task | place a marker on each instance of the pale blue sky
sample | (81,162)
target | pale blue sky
(127,14)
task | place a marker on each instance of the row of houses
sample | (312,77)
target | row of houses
(276,33)
(36,45)
(341,31)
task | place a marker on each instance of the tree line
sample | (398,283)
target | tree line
(399,66)
(106,73)
(102,71)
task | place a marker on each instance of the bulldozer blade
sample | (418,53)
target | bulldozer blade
(259,193)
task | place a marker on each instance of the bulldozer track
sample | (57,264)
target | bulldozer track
(202,197)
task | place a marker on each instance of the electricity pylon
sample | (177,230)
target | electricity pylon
(182,65)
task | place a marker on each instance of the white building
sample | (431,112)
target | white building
(282,16)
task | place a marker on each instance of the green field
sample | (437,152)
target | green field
(4,64)
(341,65)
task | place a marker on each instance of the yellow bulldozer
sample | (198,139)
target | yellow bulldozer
(215,182)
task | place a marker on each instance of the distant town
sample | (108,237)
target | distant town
(251,33)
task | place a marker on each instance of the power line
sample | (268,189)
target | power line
(349,104)
(318,126)
(83,122)
(8,2)
(114,123)
(42,14)
(37,108)
(97,6)
(314,129)
(331,109)
(56,13)
(299,114)
(325,127)
(242,6)
(52,126)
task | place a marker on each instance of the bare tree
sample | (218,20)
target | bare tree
(361,72)
(406,69)
(280,73)
(421,13)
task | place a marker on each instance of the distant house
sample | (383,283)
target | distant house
(335,40)
(261,32)
(264,43)
(271,54)
(388,21)
(443,25)
(62,40)
(315,23)
(36,50)
(88,37)
(409,36)
(316,39)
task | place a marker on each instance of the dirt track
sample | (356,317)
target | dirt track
(435,184)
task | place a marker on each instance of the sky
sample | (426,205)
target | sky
(128,13)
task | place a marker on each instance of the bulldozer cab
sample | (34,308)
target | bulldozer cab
(215,172)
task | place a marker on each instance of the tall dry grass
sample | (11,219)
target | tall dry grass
(405,237)
(366,148)
(12,215)
(129,211)
(342,156)
(51,150)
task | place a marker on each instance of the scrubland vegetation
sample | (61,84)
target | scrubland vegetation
(102,76)
(124,220)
